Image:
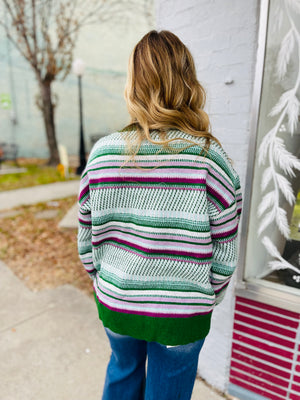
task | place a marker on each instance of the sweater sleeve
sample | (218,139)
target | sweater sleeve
(84,237)
(225,204)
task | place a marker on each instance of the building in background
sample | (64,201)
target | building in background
(247,58)
(105,48)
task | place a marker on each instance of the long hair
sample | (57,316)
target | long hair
(162,93)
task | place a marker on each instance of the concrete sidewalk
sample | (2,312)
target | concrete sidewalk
(36,194)
(53,345)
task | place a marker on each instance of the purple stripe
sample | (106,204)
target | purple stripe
(91,269)
(173,164)
(85,226)
(231,225)
(216,184)
(165,171)
(151,164)
(211,200)
(217,175)
(216,194)
(160,306)
(85,222)
(150,314)
(149,187)
(83,192)
(147,179)
(151,236)
(224,234)
(148,250)
(84,180)
(157,298)
(222,220)
(160,257)
(148,241)
(220,289)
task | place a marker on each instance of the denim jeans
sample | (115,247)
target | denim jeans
(171,371)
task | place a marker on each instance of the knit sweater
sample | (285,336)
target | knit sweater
(159,244)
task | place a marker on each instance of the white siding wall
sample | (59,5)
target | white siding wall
(222,36)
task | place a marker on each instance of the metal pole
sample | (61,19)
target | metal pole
(82,157)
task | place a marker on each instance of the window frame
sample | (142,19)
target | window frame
(258,289)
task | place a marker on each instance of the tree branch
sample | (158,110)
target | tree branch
(14,42)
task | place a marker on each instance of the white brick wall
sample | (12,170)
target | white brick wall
(222,36)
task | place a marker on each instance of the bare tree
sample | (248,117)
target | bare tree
(45,33)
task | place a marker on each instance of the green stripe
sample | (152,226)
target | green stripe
(147,301)
(85,223)
(211,196)
(215,223)
(93,186)
(114,281)
(221,269)
(168,331)
(85,196)
(148,168)
(226,238)
(154,239)
(155,253)
(202,227)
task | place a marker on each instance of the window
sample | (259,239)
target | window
(272,255)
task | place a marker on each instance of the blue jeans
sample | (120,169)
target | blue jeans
(171,371)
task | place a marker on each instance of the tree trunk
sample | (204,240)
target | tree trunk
(48,116)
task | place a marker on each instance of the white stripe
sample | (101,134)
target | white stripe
(279,357)
(224,213)
(179,232)
(265,320)
(259,369)
(137,173)
(264,341)
(144,308)
(267,311)
(263,388)
(162,293)
(154,213)
(156,245)
(214,275)
(266,331)
(167,157)
(295,362)
(148,157)
(122,275)
(262,361)
(221,228)
(263,380)
(86,256)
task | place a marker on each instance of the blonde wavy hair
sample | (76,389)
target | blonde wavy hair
(162,93)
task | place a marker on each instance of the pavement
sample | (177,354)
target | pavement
(37,194)
(52,344)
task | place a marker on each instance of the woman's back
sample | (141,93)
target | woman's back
(158,230)
(160,240)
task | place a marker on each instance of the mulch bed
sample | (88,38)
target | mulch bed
(37,251)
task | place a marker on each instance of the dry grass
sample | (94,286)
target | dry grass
(40,253)
(38,173)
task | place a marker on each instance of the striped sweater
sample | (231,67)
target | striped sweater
(159,244)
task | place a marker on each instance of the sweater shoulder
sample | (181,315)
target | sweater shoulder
(220,158)
(103,144)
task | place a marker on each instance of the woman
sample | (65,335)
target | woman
(158,220)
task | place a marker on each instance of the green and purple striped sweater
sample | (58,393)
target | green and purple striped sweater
(160,244)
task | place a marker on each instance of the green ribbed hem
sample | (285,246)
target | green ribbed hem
(168,331)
